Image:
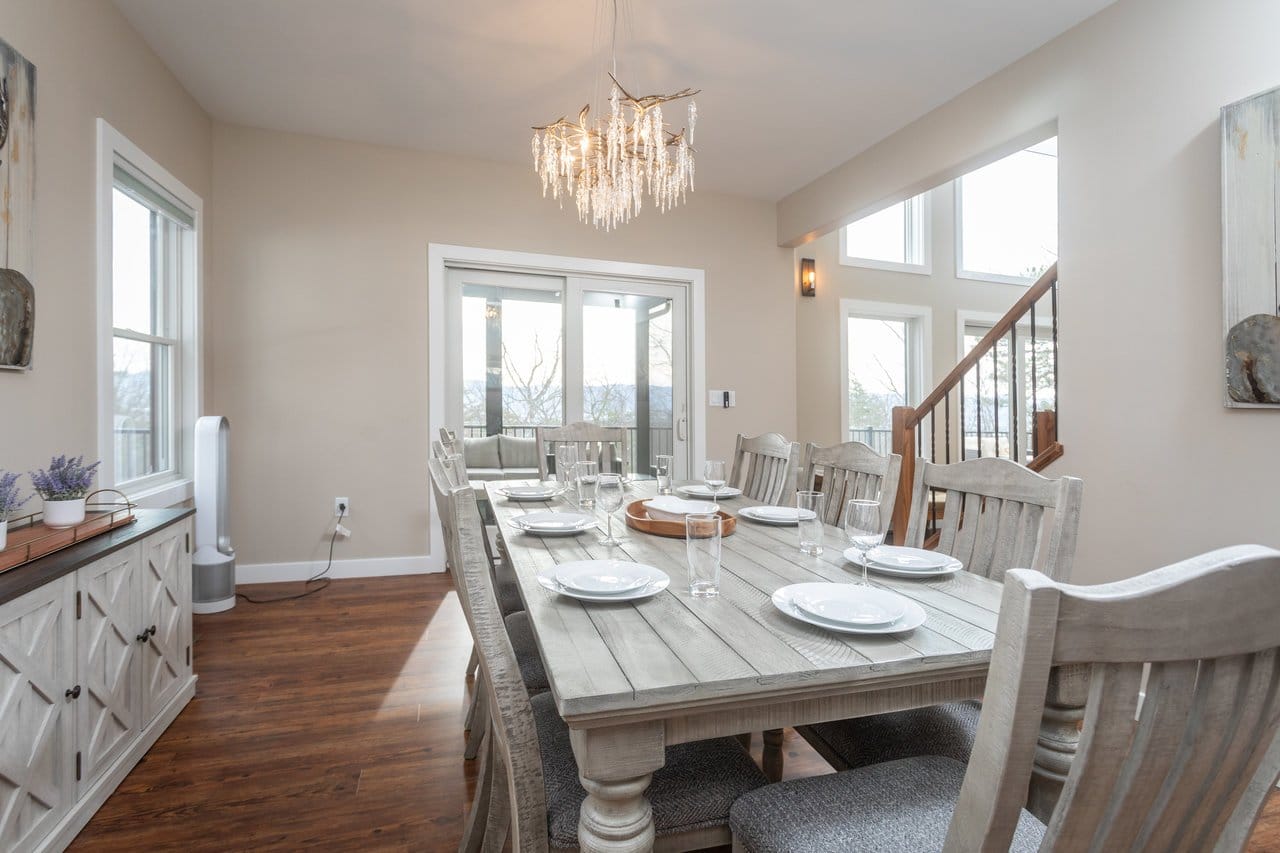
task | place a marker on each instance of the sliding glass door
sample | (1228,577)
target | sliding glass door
(537,350)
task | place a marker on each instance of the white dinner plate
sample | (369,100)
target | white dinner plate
(950,568)
(782,515)
(698,490)
(849,604)
(913,617)
(908,559)
(658,581)
(672,508)
(530,493)
(603,577)
(553,523)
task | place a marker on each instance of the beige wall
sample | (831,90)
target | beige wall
(318,317)
(820,373)
(1136,93)
(89,64)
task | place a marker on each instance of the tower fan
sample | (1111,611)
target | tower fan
(213,586)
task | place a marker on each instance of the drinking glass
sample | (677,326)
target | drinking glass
(609,498)
(587,474)
(713,475)
(662,471)
(702,546)
(862,526)
(810,528)
(566,459)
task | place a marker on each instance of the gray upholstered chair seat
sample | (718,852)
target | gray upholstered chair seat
(903,805)
(532,671)
(694,790)
(946,730)
(508,590)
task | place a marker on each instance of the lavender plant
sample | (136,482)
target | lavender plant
(65,479)
(9,501)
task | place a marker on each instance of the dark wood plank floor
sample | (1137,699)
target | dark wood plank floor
(331,723)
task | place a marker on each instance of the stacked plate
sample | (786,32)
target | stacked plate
(604,580)
(698,490)
(849,608)
(553,523)
(536,492)
(906,562)
(785,516)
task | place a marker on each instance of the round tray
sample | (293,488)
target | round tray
(638,519)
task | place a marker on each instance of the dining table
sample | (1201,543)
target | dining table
(631,678)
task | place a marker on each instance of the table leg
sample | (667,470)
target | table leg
(615,766)
(1059,738)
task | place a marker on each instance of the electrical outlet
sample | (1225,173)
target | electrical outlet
(341,507)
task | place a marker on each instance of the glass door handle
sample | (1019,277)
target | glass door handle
(682,429)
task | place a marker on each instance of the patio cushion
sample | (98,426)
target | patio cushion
(903,805)
(946,730)
(518,452)
(694,790)
(481,452)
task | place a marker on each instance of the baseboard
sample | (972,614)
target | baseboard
(370,567)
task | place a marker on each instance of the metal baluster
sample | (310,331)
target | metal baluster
(1057,404)
(1035,403)
(1015,426)
(995,394)
(977,400)
(946,427)
(962,441)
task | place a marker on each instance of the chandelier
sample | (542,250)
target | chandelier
(608,166)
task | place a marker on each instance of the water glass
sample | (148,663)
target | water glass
(566,460)
(587,475)
(662,471)
(862,527)
(810,527)
(702,546)
(713,476)
(609,498)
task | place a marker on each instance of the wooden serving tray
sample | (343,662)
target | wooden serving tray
(34,539)
(638,519)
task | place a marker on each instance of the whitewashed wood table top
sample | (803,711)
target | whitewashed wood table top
(672,651)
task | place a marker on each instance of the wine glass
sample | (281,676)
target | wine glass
(862,527)
(713,476)
(566,461)
(609,498)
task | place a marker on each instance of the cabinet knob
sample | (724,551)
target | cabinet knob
(74,692)
(151,632)
(142,638)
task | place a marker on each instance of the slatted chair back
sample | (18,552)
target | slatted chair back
(449,439)
(993,518)
(765,468)
(516,755)
(455,466)
(851,471)
(1186,767)
(609,446)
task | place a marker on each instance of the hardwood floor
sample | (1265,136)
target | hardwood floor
(332,723)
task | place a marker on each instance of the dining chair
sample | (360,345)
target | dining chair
(517,625)
(849,471)
(609,446)
(993,520)
(764,468)
(528,787)
(1178,749)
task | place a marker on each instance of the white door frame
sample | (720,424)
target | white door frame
(441,256)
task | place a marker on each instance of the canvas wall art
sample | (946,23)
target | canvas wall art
(1251,249)
(17,207)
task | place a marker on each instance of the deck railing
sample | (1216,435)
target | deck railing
(660,440)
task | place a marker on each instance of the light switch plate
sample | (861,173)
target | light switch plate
(722,399)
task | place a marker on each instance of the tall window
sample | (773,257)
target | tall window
(149,408)
(1008,217)
(885,348)
(896,238)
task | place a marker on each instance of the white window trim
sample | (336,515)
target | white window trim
(920,377)
(972,275)
(926,241)
(174,487)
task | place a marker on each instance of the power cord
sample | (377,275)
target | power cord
(319,577)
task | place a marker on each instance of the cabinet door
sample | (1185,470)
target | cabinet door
(37,765)
(107,631)
(165,563)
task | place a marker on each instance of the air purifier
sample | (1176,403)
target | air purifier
(213,585)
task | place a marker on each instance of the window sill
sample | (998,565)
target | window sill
(887,266)
(164,495)
(995,278)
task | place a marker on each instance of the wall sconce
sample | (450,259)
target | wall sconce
(808,277)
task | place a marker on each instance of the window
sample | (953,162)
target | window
(896,238)
(1007,217)
(885,357)
(148,283)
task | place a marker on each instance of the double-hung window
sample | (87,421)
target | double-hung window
(885,357)
(149,399)
(896,238)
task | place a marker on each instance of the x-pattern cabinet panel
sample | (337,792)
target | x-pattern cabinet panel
(165,586)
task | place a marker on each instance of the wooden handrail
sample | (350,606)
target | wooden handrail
(989,340)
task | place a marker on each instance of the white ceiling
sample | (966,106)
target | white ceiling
(789,89)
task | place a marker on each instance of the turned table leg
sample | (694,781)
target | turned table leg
(1059,738)
(615,766)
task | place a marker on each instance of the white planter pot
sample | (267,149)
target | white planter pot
(4,532)
(63,513)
